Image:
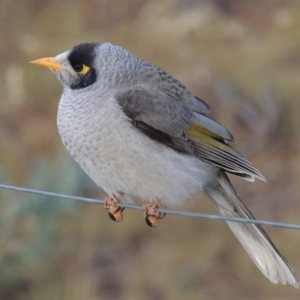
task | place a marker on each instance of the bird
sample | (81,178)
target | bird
(138,132)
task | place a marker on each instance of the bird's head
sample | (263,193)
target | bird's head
(92,65)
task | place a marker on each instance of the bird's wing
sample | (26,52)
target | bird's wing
(178,124)
(178,92)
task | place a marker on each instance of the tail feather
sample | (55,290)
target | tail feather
(253,238)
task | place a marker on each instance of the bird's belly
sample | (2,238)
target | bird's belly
(119,158)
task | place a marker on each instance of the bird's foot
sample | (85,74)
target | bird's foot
(151,216)
(114,212)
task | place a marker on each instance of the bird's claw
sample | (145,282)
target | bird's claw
(114,212)
(151,216)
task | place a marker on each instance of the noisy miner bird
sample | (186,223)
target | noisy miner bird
(138,132)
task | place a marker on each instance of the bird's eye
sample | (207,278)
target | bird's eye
(80,68)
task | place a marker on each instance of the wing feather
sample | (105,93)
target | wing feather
(170,118)
(202,123)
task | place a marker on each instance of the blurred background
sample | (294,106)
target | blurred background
(241,57)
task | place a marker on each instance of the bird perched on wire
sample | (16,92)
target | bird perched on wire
(138,132)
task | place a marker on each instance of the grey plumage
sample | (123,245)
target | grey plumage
(156,109)
(253,238)
(137,131)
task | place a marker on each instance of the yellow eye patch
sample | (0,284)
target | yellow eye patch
(84,70)
(80,68)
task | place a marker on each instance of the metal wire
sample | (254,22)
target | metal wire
(163,210)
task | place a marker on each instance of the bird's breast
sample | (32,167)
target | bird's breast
(120,158)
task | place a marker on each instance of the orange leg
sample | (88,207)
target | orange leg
(114,212)
(151,216)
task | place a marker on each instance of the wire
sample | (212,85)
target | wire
(167,211)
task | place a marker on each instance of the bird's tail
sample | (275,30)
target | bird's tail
(253,238)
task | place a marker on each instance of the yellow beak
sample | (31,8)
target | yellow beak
(48,62)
